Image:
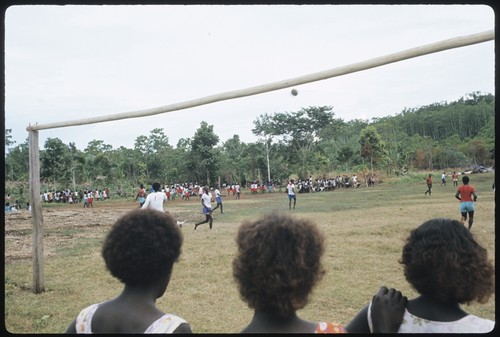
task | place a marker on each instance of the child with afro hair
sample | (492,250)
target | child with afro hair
(277,266)
(448,267)
(140,251)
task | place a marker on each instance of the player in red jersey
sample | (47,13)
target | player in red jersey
(467,195)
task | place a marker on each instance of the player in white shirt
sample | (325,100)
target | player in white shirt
(291,194)
(156,199)
(206,202)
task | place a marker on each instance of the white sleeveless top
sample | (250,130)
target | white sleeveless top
(165,324)
(415,324)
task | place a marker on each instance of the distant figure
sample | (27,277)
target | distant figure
(17,205)
(270,186)
(454,178)
(291,194)
(155,199)
(237,189)
(206,202)
(141,195)
(467,195)
(447,267)
(90,200)
(218,199)
(428,181)
(443,179)
(140,250)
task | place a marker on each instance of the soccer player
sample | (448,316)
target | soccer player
(467,195)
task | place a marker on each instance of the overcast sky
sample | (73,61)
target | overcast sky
(73,62)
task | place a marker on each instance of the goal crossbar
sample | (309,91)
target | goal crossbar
(456,42)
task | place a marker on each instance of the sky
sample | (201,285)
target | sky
(65,63)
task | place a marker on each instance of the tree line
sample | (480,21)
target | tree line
(310,142)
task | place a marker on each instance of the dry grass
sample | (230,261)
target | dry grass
(365,229)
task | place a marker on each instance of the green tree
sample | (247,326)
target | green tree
(8,138)
(77,160)
(126,167)
(204,156)
(96,147)
(178,168)
(372,146)
(153,156)
(17,162)
(397,157)
(140,157)
(300,130)
(344,156)
(9,171)
(55,163)
(487,136)
(159,153)
(477,151)
(254,164)
(233,155)
(96,161)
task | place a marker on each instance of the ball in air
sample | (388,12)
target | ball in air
(294,92)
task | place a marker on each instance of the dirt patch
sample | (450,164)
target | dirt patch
(64,223)
(59,224)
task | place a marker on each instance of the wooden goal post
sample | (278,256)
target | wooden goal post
(34,160)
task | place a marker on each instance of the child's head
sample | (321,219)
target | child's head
(278,262)
(465,180)
(442,260)
(142,246)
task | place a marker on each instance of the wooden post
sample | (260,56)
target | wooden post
(268,165)
(36,213)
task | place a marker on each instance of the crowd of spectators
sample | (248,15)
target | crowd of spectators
(73,197)
(186,190)
(330,184)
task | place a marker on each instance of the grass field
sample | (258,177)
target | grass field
(365,230)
